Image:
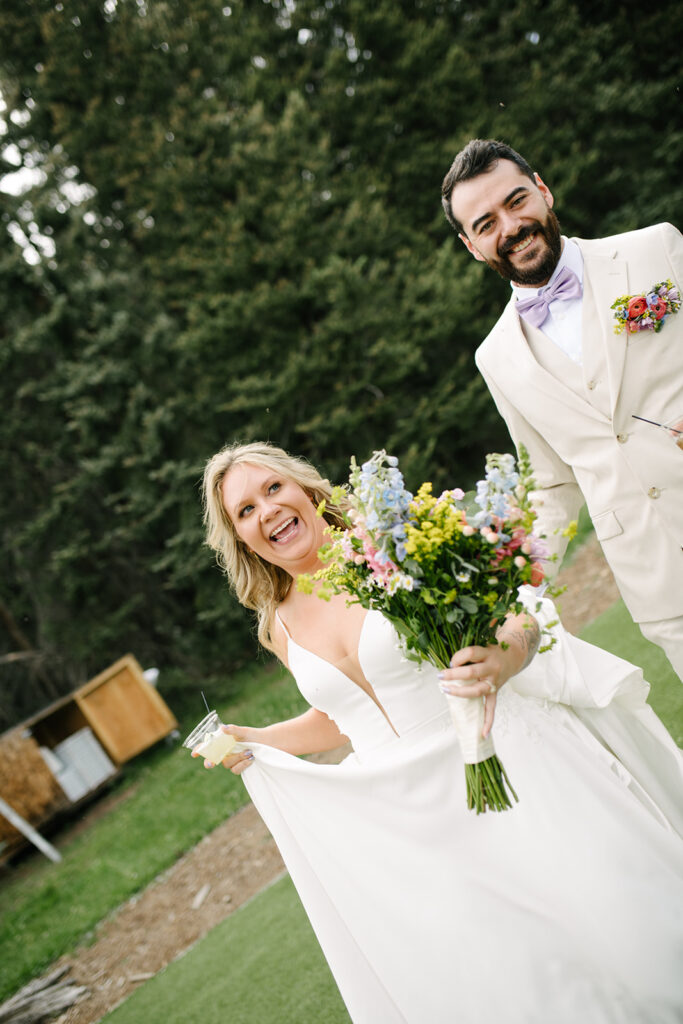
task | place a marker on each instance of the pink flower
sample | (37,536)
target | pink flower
(468,531)
(520,561)
(517,539)
(658,309)
(370,552)
(380,570)
(347,548)
(637,306)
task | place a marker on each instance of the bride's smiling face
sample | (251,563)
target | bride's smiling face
(273,516)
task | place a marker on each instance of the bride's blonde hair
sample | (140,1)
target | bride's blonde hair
(258,584)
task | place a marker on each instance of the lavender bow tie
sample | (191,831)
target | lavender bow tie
(565,286)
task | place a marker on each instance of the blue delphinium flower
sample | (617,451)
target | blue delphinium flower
(493,492)
(381,491)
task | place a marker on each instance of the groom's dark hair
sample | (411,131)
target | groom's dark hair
(478,157)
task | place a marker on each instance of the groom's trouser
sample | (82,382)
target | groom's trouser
(667,634)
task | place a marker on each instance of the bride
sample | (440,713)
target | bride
(566,908)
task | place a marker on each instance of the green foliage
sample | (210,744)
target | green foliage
(257,250)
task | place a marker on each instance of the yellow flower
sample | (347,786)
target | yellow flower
(571,529)
(338,495)
(304,584)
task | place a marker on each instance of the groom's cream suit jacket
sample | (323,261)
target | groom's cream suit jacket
(576,421)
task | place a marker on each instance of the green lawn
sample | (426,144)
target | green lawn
(262,965)
(616,632)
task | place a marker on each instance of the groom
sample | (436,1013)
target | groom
(571,389)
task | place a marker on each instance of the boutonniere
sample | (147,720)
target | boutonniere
(646,312)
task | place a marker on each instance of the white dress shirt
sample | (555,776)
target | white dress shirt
(563,323)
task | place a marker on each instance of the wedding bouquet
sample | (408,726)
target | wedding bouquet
(445,571)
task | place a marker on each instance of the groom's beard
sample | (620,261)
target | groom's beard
(538,273)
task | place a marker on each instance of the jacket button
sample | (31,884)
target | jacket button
(654,492)
(591,385)
(622,438)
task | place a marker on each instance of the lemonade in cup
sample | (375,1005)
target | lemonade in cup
(208,740)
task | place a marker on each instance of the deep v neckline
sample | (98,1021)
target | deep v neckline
(367,689)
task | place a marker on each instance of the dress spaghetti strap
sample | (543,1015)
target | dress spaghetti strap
(287,633)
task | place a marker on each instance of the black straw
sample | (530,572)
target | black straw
(204,699)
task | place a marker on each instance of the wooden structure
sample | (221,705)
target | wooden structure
(67,751)
(124,711)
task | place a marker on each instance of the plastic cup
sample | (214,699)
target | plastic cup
(210,742)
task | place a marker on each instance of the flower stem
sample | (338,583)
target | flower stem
(486,786)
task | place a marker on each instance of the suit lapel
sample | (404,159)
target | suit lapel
(604,279)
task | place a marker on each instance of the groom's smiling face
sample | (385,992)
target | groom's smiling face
(508,223)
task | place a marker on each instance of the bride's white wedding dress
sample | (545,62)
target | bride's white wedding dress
(566,909)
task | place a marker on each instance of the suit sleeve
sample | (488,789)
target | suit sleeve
(557,498)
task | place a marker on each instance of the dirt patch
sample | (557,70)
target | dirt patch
(217,876)
(238,859)
(590,587)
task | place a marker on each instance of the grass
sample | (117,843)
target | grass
(615,631)
(171,804)
(261,964)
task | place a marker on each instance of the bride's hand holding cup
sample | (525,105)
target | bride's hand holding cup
(218,743)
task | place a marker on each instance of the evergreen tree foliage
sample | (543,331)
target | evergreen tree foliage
(237,234)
